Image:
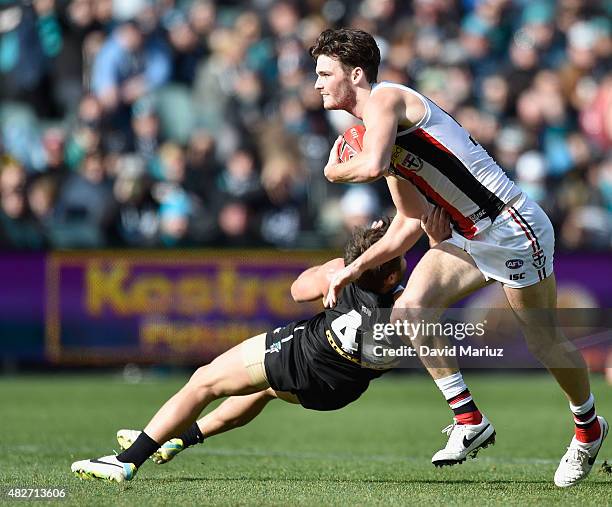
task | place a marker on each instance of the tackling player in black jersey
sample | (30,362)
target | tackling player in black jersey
(317,363)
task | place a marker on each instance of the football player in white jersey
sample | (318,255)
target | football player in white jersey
(498,235)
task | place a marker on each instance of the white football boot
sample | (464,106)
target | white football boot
(464,440)
(107,468)
(165,453)
(579,459)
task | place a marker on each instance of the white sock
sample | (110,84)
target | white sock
(451,386)
(581,410)
(585,407)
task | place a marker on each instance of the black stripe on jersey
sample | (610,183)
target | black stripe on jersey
(528,227)
(451,167)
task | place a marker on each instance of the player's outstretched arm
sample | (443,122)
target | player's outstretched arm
(401,235)
(313,283)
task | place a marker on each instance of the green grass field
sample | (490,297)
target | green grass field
(376,451)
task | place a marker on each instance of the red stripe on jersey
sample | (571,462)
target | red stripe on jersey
(466,226)
(432,140)
(524,230)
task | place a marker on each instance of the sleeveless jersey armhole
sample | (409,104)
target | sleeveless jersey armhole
(426,116)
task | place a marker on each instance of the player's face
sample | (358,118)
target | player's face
(334,84)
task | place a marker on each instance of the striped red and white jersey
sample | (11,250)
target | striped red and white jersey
(440,158)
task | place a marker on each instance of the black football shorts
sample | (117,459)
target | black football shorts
(288,369)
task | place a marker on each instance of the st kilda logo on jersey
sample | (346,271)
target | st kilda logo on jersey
(539,259)
(406,160)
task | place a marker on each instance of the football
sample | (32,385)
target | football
(352,142)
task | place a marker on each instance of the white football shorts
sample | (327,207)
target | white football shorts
(517,249)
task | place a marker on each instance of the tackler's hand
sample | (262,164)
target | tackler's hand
(341,279)
(436,225)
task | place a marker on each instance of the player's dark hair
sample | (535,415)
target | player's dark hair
(353,48)
(361,239)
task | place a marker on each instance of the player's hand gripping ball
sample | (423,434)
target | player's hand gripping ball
(351,143)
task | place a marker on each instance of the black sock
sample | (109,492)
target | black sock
(139,451)
(192,436)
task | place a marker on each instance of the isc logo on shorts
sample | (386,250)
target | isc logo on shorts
(481,213)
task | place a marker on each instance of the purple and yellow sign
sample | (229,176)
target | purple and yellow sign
(187,307)
(167,306)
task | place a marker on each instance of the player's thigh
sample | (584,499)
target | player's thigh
(540,295)
(445,274)
(535,305)
(237,371)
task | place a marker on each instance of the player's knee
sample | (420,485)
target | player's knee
(421,340)
(268,394)
(416,308)
(409,302)
(540,350)
(203,382)
(419,301)
(547,345)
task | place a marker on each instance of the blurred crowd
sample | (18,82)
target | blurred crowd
(161,123)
